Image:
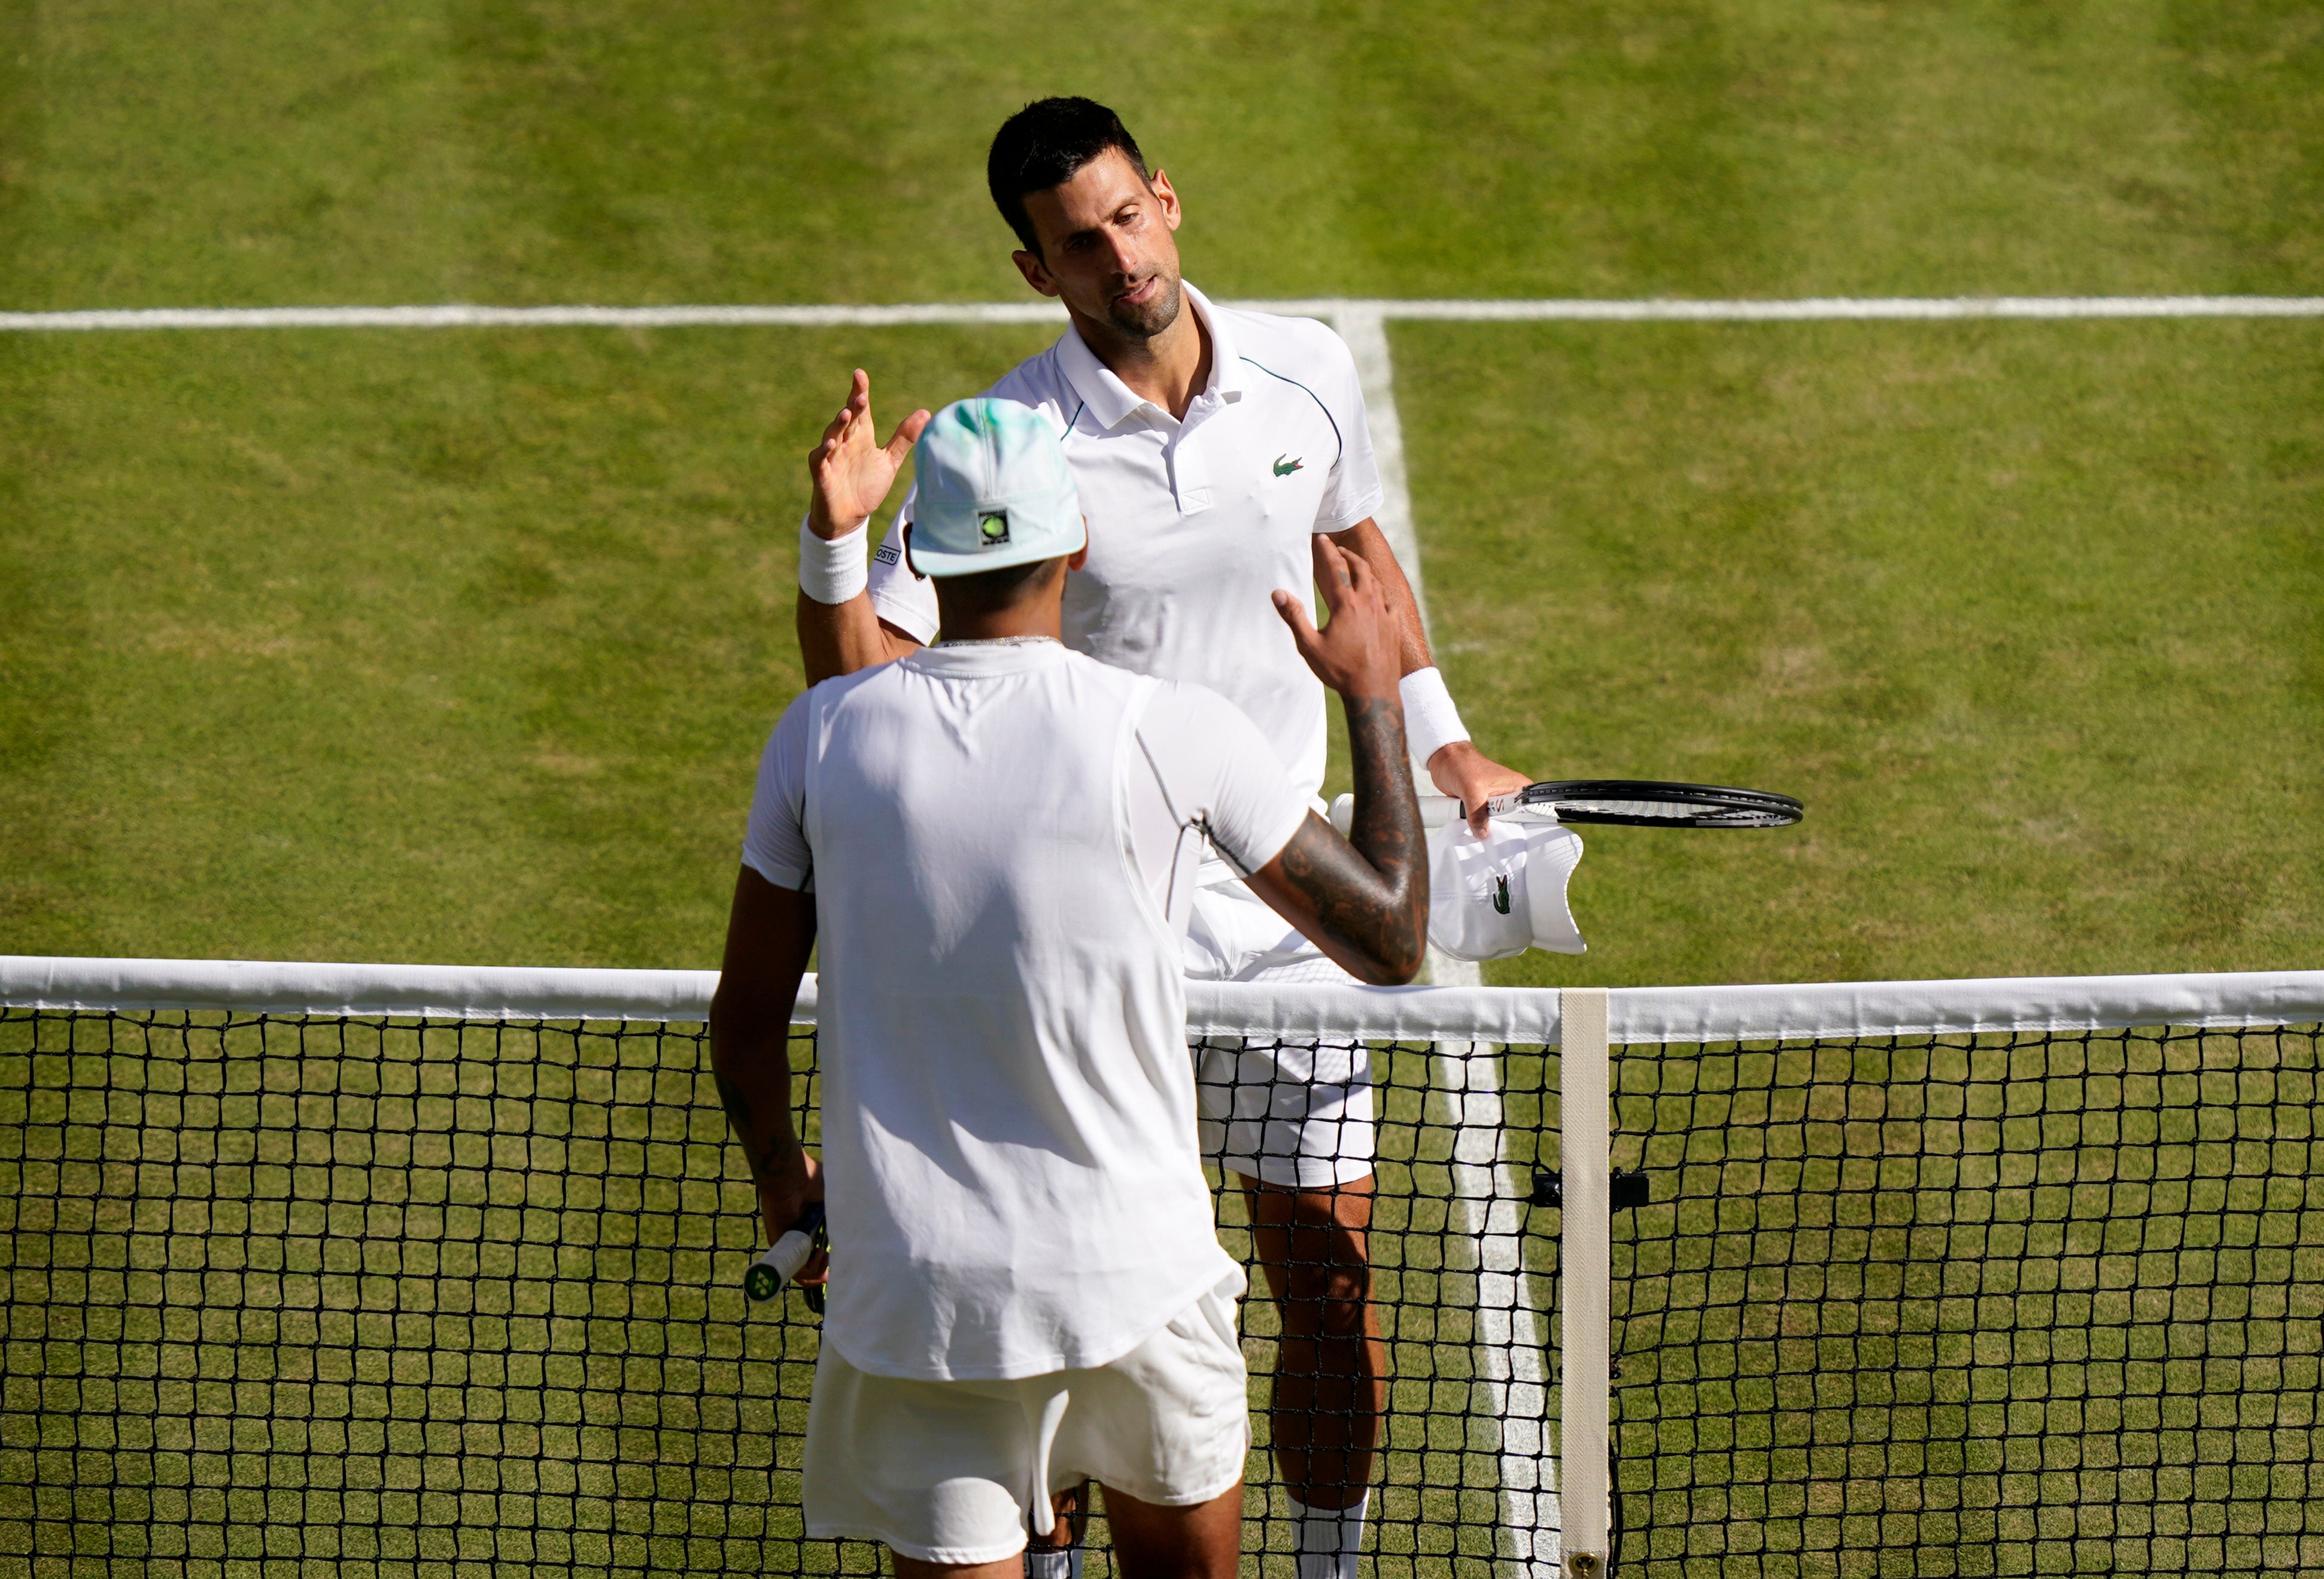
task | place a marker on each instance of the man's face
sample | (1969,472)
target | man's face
(1107,247)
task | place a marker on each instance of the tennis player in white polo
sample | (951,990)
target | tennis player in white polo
(992,841)
(1210,446)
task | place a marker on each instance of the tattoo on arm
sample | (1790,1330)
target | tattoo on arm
(1370,891)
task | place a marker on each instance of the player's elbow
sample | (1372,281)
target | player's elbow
(741,1022)
(1400,971)
(1396,955)
(1388,972)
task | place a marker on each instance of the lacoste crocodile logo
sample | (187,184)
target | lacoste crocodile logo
(1284,468)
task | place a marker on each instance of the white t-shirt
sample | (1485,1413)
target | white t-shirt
(1222,784)
(1009,1140)
(1193,524)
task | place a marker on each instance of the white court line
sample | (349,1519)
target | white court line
(1842,308)
(1510,1342)
(1344,310)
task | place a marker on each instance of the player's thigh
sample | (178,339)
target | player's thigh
(1153,1541)
(913,1568)
(934,1470)
(1312,1243)
(1169,1422)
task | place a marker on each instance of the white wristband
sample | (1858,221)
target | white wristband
(1431,721)
(833,570)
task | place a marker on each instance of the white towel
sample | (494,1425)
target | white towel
(1496,897)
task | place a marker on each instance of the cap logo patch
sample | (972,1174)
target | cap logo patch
(1501,893)
(993,528)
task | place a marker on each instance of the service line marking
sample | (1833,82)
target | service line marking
(458,315)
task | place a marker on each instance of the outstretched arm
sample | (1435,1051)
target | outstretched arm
(769,934)
(1362,900)
(852,472)
(1457,768)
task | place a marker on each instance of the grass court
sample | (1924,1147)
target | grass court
(460,645)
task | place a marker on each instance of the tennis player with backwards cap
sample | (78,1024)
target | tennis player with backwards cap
(995,842)
(1211,447)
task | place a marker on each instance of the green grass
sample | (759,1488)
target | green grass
(395,647)
(460,646)
(598,150)
(2028,616)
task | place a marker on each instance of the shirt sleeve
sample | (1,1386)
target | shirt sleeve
(1219,769)
(1352,492)
(775,846)
(898,596)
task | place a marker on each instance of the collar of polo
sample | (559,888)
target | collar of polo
(1113,401)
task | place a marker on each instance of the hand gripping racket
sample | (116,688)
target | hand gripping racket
(1644,803)
(780,1262)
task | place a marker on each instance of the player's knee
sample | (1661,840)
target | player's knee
(1327,1301)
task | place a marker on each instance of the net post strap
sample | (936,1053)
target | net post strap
(1585,1267)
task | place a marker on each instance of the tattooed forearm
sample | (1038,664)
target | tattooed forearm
(768,1156)
(1386,828)
(1367,896)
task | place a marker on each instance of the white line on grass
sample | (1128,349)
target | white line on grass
(1508,1340)
(1823,308)
(453,316)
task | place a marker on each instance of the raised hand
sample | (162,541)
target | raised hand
(851,469)
(1359,654)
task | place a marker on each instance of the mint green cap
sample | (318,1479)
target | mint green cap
(994,490)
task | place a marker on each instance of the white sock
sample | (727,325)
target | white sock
(1330,1539)
(1053,1563)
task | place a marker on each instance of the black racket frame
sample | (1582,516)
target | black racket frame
(1717,806)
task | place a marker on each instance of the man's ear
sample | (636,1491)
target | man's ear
(1036,273)
(1160,182)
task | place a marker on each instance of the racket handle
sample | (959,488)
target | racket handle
(777,1265)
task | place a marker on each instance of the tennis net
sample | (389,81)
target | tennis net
(384,1270)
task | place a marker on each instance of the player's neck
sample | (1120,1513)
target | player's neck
(1171,368)
(1032,616)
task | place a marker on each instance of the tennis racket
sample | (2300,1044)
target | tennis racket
(777,1264)
(1638,803)
(1646,803)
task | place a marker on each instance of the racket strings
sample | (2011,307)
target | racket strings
(1644,803)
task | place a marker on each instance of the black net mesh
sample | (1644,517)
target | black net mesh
(358,1296)
(2041,1304)
(320,1296)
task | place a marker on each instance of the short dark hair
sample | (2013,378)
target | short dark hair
(989,591)
(1042,146)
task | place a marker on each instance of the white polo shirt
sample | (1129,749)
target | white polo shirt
(1195,524)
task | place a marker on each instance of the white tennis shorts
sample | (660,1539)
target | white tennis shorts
(1293,1113)
(956,1471)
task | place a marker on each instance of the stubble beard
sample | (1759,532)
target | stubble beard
(1154,318)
